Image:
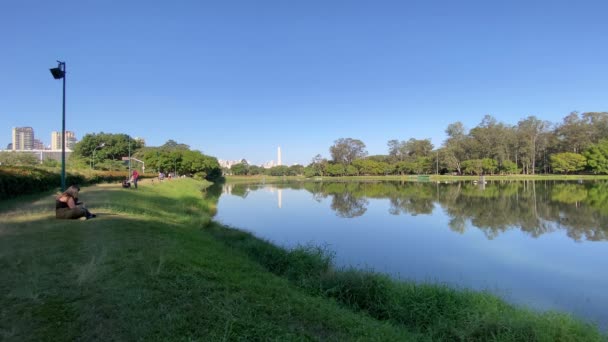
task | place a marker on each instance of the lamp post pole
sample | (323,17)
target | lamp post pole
(95,149)
(63,133)
(59,73)
(129,156)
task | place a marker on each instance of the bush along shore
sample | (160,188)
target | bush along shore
(18,181)
(154,266)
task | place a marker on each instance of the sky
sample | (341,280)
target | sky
(237,79)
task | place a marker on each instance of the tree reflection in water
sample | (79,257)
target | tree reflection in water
(535,207)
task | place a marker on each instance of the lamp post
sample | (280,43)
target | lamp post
(59,73)
(95,149)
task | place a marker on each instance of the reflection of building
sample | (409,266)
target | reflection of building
(23,138)
(70,140)
(227,189)
(280,197)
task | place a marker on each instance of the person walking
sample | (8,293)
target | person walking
(135,176)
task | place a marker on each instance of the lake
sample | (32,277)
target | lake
(541,244)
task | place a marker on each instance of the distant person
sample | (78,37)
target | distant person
(67,205)
(161,176)
(135,177)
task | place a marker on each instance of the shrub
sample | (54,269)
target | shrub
(17,181)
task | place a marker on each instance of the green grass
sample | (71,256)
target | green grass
(144,270)
(154,266)
(436,312)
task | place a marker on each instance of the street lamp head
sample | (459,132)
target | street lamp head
(58,73)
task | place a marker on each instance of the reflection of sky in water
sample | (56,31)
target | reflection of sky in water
(549,272)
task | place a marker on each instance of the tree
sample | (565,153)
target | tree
(530,129)
(472,166)
(568,162)
(508,167)
(597,157)
(239,169)
(455,146)
(489,165)
(346,150)
(280,170)
(181,161)
(174,145)
(335,170)
(574,134)
(115,146)
(598,122)
(296,170)
(317,166)
(401,150)
(397,150)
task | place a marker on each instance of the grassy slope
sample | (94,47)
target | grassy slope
(144,270)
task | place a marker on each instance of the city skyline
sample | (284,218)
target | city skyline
(24,139)
(245,76)
(71,140)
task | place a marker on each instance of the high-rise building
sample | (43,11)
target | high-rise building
(279,156)
(23,138)
(70,140)
(38,145)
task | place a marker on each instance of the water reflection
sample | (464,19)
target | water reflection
(534,207)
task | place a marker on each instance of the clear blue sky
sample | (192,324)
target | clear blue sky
(236,79)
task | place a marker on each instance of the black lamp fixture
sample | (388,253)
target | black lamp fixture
(59,73)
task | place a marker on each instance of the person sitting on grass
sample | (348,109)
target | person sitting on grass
(68,207)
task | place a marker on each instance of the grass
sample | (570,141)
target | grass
(154,266)
(431,311)
(144,270)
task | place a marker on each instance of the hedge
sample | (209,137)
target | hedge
(17,181)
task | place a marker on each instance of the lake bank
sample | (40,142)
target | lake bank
(144,269)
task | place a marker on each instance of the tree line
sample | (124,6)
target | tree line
(105,151)
(578,144)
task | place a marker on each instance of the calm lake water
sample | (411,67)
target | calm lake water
(541,244)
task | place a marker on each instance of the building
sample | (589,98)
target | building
(38,145)
(279,163)
(70,140)
(269,165)
(229,163)
(23,138)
